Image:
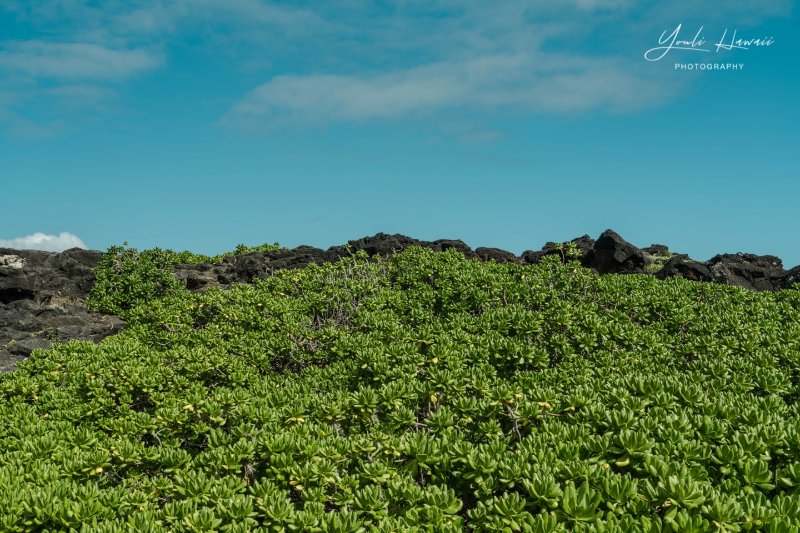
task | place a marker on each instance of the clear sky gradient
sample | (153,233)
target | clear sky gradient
(203,124)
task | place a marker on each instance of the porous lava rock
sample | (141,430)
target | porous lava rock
(497,255)
(682,266)
(43,300)
(754,272)
(791,278)
(656,249)
(612,254)
(583,244)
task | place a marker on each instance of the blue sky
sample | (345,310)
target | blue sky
(202,124)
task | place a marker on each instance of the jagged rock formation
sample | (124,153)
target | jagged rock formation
(43,294)
(682,266)
(791,277)
(42,301)
(609,254)
(497,255)
(612,254)
(757,272)
(584,246)
(244,268)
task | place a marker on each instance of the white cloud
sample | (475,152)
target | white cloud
(43,241)
(351,60)
(49,87)
(74,60)
(530,83)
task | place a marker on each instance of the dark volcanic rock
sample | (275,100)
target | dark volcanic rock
(680,265)
(35,275)
(380,244)
(442,245)
(198,277)
(584,244)
(497,255)
(529,257)
(25,346)
(755,272)
(384,245)
(791,277)
(656,249)
(247,267)
(42,301)
(614,255)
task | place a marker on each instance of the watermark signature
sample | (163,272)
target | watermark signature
(708,66)
(727,42)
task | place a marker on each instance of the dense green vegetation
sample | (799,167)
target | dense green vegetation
(423,393)
(126,276)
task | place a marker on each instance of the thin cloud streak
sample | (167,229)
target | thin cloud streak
(531,83)
(352,61)
(71,61)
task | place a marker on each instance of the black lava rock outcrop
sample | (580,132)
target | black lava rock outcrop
(383,245)
(497,255)
(42,301)
(682,266)
(656,249)
(753,272)
(583,245)
(609,254)
(612,254)
(791,277)
(246,267)
(756,272)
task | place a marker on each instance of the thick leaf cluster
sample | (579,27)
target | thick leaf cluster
(423,393)
(126,277)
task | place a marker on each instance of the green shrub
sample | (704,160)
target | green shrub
(125,277)
(424,393)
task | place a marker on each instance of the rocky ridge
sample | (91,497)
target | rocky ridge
(43,294)
(43,300)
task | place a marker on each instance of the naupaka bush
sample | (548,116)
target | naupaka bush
(427,392)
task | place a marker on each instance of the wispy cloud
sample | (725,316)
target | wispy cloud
(43,241)
(353,60)
(529,83)
(83,53)
(476,56)
(49,85)
(73,61)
